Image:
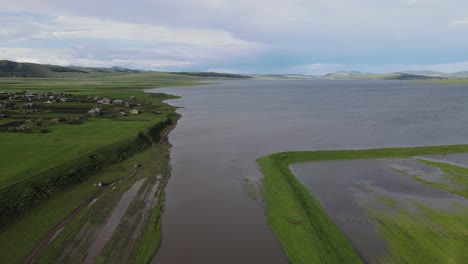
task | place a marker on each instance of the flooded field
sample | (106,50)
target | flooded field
(351,190)
(226,127)
(112,222)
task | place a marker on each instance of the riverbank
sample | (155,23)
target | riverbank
(308,234)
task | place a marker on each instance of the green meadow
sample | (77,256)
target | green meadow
(308,235)
(25,154)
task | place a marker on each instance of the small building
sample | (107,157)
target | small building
(31,105)
(117,102)
(95,112)
(104,101)
(49,102)
(121,113)
(63,99)
(128,104)
(134,111)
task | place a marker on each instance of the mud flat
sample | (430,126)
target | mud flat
(112,222)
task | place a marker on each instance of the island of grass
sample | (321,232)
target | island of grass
(412,231)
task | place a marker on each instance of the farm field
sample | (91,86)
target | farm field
(380,206)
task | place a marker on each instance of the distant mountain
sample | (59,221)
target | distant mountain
(427,73)
(284,76)
(462,74)
(357,75)
(405,76)
(121,69)
(26,69)
(382,76)
(213,75)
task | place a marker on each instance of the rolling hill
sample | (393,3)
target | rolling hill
(25,69)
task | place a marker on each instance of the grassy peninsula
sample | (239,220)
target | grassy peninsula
(308,235)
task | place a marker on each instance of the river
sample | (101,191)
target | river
(225,127)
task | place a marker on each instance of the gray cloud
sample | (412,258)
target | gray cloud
(248,34)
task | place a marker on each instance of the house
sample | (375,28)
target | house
(63,99)
(104,101)
(134,111)
(94,112)
(117,102)
(121,113)
(49,102)
(128,104)
(30,105)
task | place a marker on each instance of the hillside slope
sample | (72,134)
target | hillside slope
(25,69)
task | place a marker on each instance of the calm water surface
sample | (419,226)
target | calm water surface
(226,127)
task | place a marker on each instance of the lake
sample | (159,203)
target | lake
(224,128)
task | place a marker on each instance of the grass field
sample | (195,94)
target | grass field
(306,232)
(428,236)
(25,154)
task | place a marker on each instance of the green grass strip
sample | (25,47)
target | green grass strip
(304,229)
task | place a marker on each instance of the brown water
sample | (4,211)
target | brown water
(225,128)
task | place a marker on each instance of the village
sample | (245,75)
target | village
(35,112)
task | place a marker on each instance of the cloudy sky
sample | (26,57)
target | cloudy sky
(244,36)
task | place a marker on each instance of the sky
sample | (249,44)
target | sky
(239,36)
